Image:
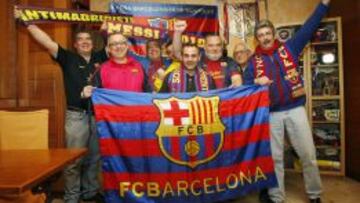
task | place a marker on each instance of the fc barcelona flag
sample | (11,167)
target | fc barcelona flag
(189,147)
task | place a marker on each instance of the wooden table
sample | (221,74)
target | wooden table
(21,170)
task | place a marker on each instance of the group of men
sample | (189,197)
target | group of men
(188,69)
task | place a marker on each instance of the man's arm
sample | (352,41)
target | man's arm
(44,39)
(302,37)
(179,28)
(40,36)
(235,76)
(325,2)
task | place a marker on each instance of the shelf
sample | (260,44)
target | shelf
(324,85)
(326,122)
(323,172)
(326,146)
(325,66)
(330,97)
(324,43)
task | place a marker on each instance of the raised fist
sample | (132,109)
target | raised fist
(180,25)
(326,2)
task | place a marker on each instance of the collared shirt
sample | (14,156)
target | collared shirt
(129,76)
(76,72)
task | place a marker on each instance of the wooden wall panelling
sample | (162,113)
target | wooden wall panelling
(40,78)
(350,14)
(7,56)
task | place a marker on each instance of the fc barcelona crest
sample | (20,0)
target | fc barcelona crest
(190,131)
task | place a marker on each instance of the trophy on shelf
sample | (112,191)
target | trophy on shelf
(325,33)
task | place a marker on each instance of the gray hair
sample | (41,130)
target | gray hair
(263,24)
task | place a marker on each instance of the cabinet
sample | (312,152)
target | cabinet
(321,66)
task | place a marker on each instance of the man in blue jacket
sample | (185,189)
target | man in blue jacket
(276,65)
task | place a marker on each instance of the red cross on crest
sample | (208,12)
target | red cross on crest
(176,113)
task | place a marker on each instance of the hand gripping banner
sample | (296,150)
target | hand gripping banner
(190,147)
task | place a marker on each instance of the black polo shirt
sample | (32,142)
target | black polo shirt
(76,71)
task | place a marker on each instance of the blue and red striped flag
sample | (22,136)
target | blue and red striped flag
(189,147)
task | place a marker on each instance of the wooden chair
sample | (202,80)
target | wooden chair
(24,130)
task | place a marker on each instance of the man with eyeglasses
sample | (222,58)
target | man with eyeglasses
(241,55)
(121,71)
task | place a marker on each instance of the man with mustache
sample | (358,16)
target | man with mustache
(276,65)
(222,69)
(189,77)
(81,177)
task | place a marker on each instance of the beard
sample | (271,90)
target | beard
(213,56)
(190,65)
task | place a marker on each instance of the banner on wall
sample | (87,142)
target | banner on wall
(189,147)
(201,19)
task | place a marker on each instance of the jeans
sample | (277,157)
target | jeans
(81,177)
(296,124)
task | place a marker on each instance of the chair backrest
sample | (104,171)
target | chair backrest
(24,130)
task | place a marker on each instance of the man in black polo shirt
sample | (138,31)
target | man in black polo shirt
(81,178)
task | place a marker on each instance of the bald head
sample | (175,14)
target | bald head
(117,45)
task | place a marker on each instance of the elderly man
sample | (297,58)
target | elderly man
(241,55)
(276,64)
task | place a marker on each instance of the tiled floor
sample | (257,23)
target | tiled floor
(336,190)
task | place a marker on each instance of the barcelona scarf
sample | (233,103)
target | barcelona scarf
(188,147)
(177,80)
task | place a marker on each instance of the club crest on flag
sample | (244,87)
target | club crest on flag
(190,131)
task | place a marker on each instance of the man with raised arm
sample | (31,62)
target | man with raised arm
(81,177)
(276,64)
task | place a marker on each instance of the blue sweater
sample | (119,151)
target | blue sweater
(280,92)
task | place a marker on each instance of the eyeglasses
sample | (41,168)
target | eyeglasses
(119,43)
(241,52)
